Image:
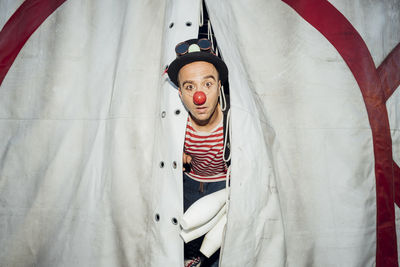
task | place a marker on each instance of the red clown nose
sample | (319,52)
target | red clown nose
(199,98)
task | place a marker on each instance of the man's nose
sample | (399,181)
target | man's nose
(199,98)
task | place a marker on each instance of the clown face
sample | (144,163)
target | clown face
(195,79)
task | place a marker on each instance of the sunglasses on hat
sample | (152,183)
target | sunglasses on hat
(202,45)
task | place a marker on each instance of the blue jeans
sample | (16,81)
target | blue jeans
(192,192)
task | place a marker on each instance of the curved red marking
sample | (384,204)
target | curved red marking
(31,14)
(341,34)
(389,72)
(21,25)
(396,171)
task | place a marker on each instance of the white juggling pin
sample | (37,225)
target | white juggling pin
(203,210)
(213,239)
(189,235)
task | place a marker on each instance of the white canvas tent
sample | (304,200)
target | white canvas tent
(90,129)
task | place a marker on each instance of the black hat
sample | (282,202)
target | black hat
(195,52)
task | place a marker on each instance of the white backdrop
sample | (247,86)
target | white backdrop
(82,136)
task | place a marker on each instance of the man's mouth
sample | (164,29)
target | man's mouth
(201,109)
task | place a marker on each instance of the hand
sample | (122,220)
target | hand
(186,159)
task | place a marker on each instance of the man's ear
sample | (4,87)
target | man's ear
(180,92)
(219,87)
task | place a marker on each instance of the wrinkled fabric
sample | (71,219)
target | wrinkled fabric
(286,77)
(78,113)
(92,132)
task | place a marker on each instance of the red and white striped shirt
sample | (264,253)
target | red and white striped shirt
(206,150)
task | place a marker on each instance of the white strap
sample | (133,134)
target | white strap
(222,99)
(227,133)
(209,34)
(201,19)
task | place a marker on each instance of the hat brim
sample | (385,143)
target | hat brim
(181,61)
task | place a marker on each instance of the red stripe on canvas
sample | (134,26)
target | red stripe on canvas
(389,72)
(396,172)
(344,37)
(20,26)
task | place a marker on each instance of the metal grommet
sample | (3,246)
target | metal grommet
(174,164)
(188,24)
(171,25)
(174,221)
(162,164)
(157,217)
(163,114)
(177,112)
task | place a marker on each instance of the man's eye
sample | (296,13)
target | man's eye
(208,84)
(189,87)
